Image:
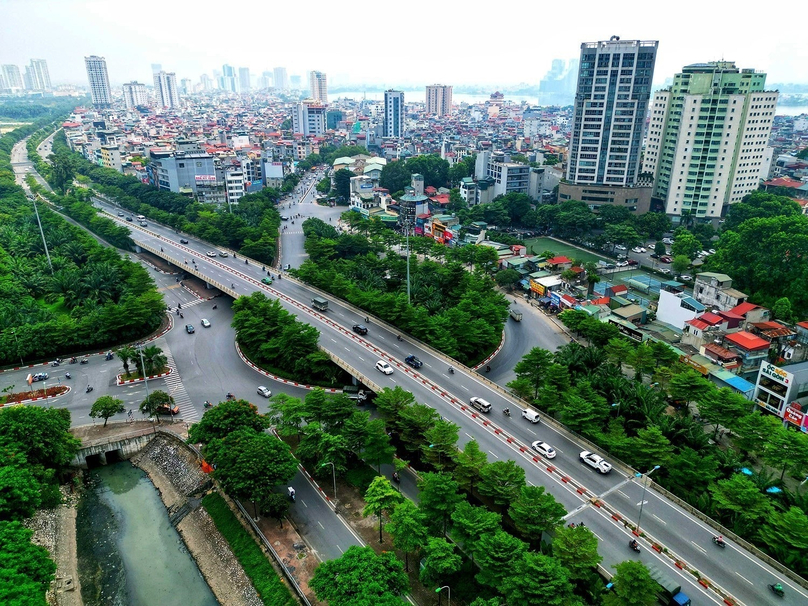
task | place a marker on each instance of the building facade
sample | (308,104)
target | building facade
(280,79)
(244,79)
(12,77)
(319,87)
(393,113)
(37,76)
(614,87)
(707,138)
(195,174)
(99,81)
(228,81)
(165,89)
(439,100)
(309,118)
(134,95)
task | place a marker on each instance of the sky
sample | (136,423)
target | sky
(408,43)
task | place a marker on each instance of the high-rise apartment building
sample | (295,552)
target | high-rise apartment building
(186,86)
(280,79)
(37,76)
(614,87)
(12,76)
(228,81)
(206,81)
(99,81)
(319,87)
(265,81)
(244,79)
(309,118)
(393,113)
(165,89)
(439,100)
(707,138)
(134,95)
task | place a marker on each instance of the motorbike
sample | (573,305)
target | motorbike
(73,360)
(633,544)
(230,396)
(55,363)
(507,412)
(89,389)
(451,370)
(110,355)
(67,375)
(777,588)
(719,541)
(208,404)
(215,306)
(85,361)
(487,369)
(396,477)
(291,492)
(399,338)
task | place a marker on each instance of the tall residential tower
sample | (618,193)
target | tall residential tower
(319,87)
(280,78)
(37,76)
(12,77)
(165,89)
(393,113)
(134,95)
(707,138)
(614,87)
(99,81)
(439,99)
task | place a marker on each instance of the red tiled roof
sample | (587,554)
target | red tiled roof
(601,301)
(747,341)
(711,318)
(619,288)
(558,260)
(697,323)
(744,308)
(784,182)
(803,325)
(719,352)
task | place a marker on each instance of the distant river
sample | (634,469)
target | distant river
(129,553)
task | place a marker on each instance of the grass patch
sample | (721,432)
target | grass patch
(58,307)
(266,581)
(539,245)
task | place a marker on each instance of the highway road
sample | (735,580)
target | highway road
(732,569)
(574,485)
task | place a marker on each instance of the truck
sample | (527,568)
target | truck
(354,392)
(319,303)
(670,592)
(516,315)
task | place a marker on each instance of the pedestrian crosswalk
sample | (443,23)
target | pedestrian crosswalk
(176,390)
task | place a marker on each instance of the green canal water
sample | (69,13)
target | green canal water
(128,552)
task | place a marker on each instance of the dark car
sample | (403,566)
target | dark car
(654,256)
(128,218)
(666,259)
(413,361)
(360,329)
(633,262)
(189,328)
(183,241)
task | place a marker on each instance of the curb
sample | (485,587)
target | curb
(58,395)
(278,379)
(119,382)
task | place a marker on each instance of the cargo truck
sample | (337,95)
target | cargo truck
(670,590)
(319,303)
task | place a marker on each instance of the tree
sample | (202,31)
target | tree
(249,464)
(680,264)
(537,579)
(380,497)
(741,502)
(782,310)
(438,498)
(27,569)
(20,491)
(441,444)
(502,481)
(285,413)
(786,449)
(722,407)
(752,431)
(660,248)
(650,448)
(414,421)
(689,386)
(535,512)
(225,418)
(618,350)
(624,234)
(632,585)
(408,529)
(440,562)
(470,523)
(41,435)
(576,548)
(105,407)
(592,277)
(469,464)
(663,353)
(395,176)
(785,535)
(583,415)
(360,576)
(496,554)
(126,354)
(377,446)
(688,472)
(156,400)
(762,205)
(508,278)
(533,367)
(342,183)
(685,245)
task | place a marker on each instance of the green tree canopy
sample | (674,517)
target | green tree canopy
(360,577)
(408,529)
(225,418)
(576,548)
(535,511)
(105,407)
(502,481)
(632,586)
(538,579)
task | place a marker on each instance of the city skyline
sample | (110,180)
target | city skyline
(56,31)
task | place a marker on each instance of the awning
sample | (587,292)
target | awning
(545,300)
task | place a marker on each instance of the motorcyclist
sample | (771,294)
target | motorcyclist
(633,544)
(507,412)
(451,370)
(719,539)
(396,477)
(67,375)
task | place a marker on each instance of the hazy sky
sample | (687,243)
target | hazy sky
(392,43)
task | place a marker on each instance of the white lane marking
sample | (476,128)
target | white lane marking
(361,358)
(660,519)
(382,338)
(743,577)
(340,548)
(333,339)
(622,494)
(469,435)
(493,454)
(699,547)
(428,365)
(641,503)
(464,387)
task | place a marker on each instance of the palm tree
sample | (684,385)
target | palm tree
(102,282)
(153,359)
(126,354)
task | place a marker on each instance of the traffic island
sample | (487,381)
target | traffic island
(24,397)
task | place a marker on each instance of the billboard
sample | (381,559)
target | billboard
(205,178)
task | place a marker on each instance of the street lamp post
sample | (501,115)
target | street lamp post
(334,476)
(618,407)
(439,589)
(642,498)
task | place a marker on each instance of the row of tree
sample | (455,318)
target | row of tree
(657,424)
(36,449)
(459,311)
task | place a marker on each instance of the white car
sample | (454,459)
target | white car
(686,277)
(665,270)
(638,249)
(205,322)
(622,264)
(384,367)
(620,247)
(210,253)
(263,391)
(667,241)
(544,449)
(711,251)
(596,462)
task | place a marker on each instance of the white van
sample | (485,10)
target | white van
(480,404)
(530,415)
(141,218)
